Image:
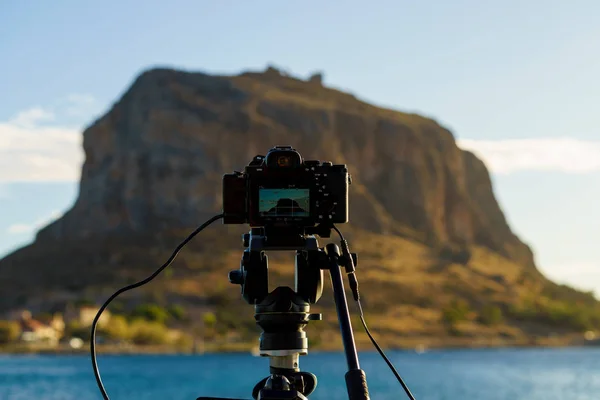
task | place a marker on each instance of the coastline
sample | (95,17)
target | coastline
(416,344)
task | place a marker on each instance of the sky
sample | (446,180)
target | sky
(516,82)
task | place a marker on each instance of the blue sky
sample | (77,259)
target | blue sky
(517,82)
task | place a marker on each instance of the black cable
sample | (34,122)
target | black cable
(389,363)
(133,286)
(335,228)
(346,252)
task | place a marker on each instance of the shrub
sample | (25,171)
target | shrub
(455,312)
(148,332)
(151,312)
(177,312)
(9,331)
(558,314)
(209,319)
(491,315)
(118,328)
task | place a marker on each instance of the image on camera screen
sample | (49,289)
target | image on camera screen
(284,202)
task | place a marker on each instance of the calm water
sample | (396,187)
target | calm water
(536,374)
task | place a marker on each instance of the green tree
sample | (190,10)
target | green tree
(491,315)
(151,312)
(455,312)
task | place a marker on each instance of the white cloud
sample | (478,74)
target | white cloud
(543,154)
(31,117)
(21,228)
(30,151)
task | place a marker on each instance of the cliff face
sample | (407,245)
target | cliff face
(156,159)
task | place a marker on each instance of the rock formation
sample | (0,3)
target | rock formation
(155,160)
(423,215)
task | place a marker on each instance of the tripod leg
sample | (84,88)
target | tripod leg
(341,305)
(356,381)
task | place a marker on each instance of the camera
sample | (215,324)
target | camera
(282,189)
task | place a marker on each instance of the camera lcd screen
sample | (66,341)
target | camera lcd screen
(284,202)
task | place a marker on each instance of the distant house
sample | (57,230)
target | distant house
(34,331)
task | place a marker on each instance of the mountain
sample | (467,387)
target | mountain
(432,239)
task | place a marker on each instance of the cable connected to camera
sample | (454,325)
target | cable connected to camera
(287,202)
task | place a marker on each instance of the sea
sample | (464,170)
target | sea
(489,374)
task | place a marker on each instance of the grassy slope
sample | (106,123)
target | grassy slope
(407,289)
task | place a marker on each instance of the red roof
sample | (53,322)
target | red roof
(32,325)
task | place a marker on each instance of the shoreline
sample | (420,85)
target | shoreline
(424,345)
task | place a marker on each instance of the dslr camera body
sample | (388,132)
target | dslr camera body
(283,190)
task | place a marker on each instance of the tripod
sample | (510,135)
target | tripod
(284,313)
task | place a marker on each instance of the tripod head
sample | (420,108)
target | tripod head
(253,275)
(284,313)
